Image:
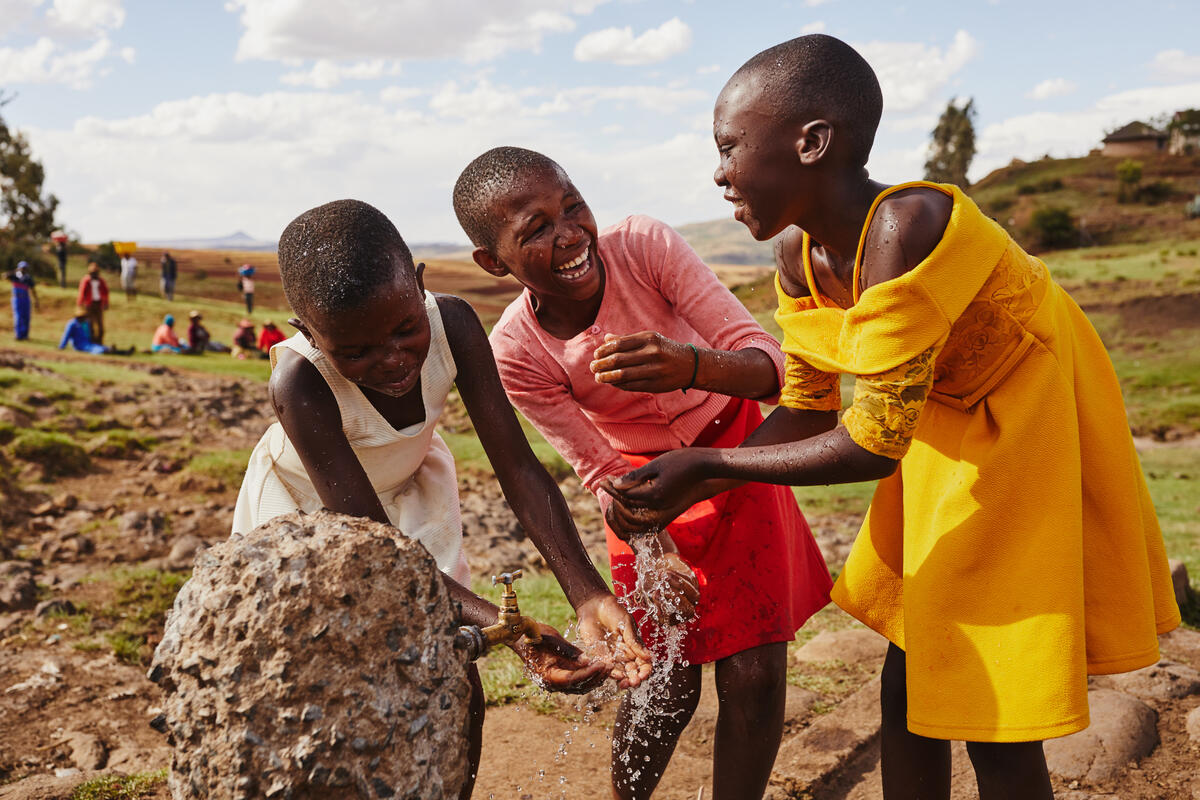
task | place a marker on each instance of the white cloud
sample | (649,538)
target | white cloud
(815,3)
(1074,133)
(128,55)
(475,30)
(252,162)
(57,55)
(15,13)
(1176,65)
(46,62)
(86,16)
(913,74)
(399,94)
(708,69)
(1052,87)
(813,27)
(325,73)
(620,46)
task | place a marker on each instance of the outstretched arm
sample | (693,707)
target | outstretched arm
(534,496)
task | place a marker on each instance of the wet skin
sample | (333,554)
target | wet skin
(381,348)
(819,191)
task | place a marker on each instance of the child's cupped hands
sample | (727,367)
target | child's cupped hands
(645,362)
(651,496)
(559,666)
(608,634)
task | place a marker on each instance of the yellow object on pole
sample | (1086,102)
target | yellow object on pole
(124,248)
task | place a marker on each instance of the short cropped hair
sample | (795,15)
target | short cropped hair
(819,76)
(488,177)
(333,257)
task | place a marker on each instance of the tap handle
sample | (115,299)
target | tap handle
(507,578)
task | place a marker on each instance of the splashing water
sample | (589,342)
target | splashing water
(652,598)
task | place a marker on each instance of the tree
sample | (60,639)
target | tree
(1129,176)
(26,215)
(953,145)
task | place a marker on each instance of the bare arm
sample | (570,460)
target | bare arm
(650,362)
(534,496)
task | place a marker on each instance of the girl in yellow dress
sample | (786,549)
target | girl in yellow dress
(1011,548)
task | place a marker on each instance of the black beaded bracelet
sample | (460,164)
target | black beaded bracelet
(695,367)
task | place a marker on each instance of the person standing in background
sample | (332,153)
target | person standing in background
(246,286)
(170,270)
(93,296)
(129,276)
(22,292)
(60,253)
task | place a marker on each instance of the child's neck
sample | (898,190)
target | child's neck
(837,222)
(564,318)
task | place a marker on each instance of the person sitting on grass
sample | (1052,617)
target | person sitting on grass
(269,337)
(244,343)
(624,345)
(1011,548)
(165,339)
(78,333)
(358,393)
(198,336)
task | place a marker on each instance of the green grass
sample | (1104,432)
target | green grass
(227,466)
(57,454)
(141,599)
(120,787)
(502,673)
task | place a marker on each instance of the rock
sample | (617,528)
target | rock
(66,501)
(45,787)
(1179,580)
(56,606)
(1165,680)
(807,761)
(852,646)
(17,588)
(87,751)
(183,551)
(313,657)
(65,546)
(15,417)
(1193,725)
(1182,644)
(1123,730)
(43,509)
(137,759)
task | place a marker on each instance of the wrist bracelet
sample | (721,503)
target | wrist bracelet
(695,367)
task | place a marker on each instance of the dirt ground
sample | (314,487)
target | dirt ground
(63,691)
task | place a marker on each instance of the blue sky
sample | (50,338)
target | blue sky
(171,119)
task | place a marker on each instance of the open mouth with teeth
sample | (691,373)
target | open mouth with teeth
(576,268)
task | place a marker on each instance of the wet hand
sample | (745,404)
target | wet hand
(673,593)
(609,633)
(665,483)
(644,362)
(559,666)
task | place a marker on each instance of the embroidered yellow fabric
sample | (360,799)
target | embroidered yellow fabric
(807,388)
(888,406)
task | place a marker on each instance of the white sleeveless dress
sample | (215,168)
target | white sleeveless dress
(411,470)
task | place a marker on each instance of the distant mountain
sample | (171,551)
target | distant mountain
(726,241)
(234,241)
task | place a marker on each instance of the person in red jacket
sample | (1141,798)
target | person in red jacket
(269,337)
(93,296)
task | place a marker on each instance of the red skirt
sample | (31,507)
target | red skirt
(760,572)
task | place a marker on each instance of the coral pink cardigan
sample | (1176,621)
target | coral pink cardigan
(653,281)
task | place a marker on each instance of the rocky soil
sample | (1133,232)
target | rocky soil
(95,543)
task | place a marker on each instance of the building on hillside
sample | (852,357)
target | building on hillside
(1184,132)
(1134,139)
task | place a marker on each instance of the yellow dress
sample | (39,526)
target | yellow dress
(1016,549)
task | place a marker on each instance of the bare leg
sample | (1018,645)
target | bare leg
(751,688)
(914,767)
(474,731)
(640,756)
(1015,769)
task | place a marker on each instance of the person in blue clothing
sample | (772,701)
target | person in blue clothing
(78,334)
(22,293)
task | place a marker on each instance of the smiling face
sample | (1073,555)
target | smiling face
(759,167)
(545,236)
(382,345)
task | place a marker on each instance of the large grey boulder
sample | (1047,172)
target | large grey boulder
(313,657)
(1123,731)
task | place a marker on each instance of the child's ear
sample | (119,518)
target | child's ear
(300,326)
(421,278)
(816,137)
(484,258)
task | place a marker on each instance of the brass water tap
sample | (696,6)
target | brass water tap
(510,625)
